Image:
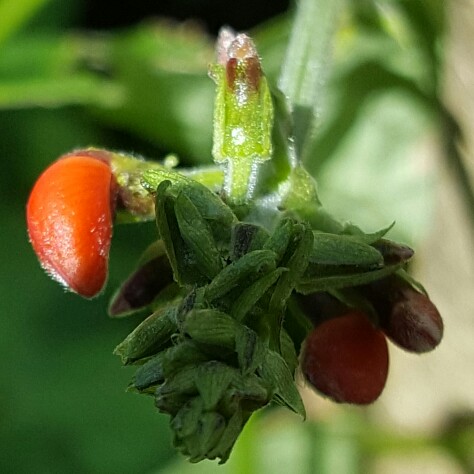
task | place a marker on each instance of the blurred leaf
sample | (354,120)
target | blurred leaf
(271,38)
(358,85)
(458,438)
(15,13)
(54,92)
(376,173)
(168,97)
(382,81)
(151,81)
(47,71)
(36,56)
(427,21)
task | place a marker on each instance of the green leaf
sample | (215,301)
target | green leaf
(185,423)
(245,238)
(164,227)
(183,261)
(250,266)
(149,374)
(81,89)
(212,380)
(152,178)
(209,326)
(210,429)
(280,239)
(180,355)
(218,215)
(149,336)
(300,249)
(250,350)
(333,282)
(288,351)
(228,437)
(170,403)
(249,390)
(275,370)
(427,19)
(197,235)
(209,204)
(212,426)
(251,295)
(359,86)
(332,249)
(182,382)
(357,234)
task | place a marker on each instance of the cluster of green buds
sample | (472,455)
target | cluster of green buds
(248,272)
(229,311)
(214,349)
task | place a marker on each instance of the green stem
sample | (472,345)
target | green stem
(240,180)
(210,176)
(452,140)
(305,67)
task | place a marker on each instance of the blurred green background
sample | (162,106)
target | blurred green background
(76,73)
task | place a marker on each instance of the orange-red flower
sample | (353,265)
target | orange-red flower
(69,216)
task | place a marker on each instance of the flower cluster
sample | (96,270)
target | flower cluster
(248,279)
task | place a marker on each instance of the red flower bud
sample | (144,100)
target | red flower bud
(407,317)
(346,359)
(69,216)
(414,323)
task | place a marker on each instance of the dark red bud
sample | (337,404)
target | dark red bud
(408,317)
(414,323)
(142,287)
(392,252)
(346,359)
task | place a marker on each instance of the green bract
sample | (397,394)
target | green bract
(218,347)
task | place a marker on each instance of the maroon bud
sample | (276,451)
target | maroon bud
(392,252)
(346,358)
(242,64)
(320,306)
(414,323)
(142,287)
(407,317)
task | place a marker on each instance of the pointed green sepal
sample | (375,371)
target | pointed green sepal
(276,372)
(213,379)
